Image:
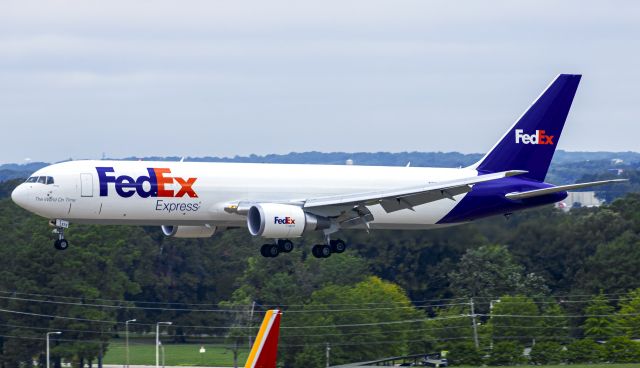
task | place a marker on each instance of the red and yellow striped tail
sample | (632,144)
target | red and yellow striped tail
(265,349)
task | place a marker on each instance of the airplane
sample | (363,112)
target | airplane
(264,351)
(285,201)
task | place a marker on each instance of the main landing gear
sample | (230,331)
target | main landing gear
(272,250)
(319,250)
(61,243)
(325,250)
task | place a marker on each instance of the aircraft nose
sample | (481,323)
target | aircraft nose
(19,196)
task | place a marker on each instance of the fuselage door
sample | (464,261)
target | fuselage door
(86,185)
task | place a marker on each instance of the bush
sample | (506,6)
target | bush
(622,350)
(547,352)
(506,353)
(584,351)
(464,353)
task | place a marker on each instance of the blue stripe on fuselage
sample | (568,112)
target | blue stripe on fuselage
(488,199)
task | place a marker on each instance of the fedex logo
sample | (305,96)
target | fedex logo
(539,137)
(157,182)
(284,221)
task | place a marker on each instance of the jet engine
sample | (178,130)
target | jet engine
(204,231)
(273,220)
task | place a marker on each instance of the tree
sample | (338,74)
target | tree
(554,326)
(584,351)
(451,326)
(489,271)
(600,323)
(464,353)
(506,353)
(515,318)
(629,321)
(616,263)
(546,352)
(358,330)
(621,349)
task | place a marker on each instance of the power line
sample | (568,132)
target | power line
(132,307)
(215,304)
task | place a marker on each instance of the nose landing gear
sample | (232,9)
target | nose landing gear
(61,243)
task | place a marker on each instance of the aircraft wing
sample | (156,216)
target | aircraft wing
(402,198)
(560,188)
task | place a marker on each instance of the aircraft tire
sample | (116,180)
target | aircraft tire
(325,250)
(264,251)
(315,250)
(338,246)
(285,245)
(61,244)
(270,250)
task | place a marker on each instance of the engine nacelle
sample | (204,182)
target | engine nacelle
(273,220)
(203,231)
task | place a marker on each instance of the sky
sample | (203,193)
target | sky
(83,79)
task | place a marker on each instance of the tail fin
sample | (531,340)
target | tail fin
(530,143)
(265,349)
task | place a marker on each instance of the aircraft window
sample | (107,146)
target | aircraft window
(32,179)
(42,179)
(49,179)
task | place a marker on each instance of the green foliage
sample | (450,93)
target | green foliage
(548,252)
(585,351)
(491,270)
(601,323)
(629,322)
(452,325)
(615,264)
(464,353)
(352,343)
(546,352)
(622,350)
(507,322)
(506,353)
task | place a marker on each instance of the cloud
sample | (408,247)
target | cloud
(330,75)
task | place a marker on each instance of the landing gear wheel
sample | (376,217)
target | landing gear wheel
(338,246)
(285,246)
(315,250)
(61,244)
(269,250)
(321,251)
(325,250)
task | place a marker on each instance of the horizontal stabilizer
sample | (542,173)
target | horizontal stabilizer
(560,188)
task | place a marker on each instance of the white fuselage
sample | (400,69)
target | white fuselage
(77,194)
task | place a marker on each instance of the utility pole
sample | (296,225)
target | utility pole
(475,325)
(49,334)
(158,342)
(328,354)
(253,307)
(126,336)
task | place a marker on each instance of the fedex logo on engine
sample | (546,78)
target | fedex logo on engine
(539,137)
(156,184)
(284,220)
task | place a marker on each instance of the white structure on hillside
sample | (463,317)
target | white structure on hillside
(579,199)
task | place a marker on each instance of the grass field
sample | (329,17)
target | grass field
(175,354)
(189,355)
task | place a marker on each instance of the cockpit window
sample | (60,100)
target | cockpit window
(32,179)
(42,179)
(49,179)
